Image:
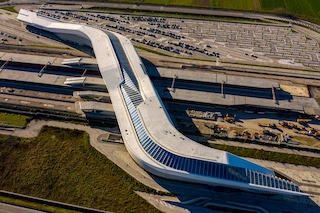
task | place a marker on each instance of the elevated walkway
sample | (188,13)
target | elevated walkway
(148,132)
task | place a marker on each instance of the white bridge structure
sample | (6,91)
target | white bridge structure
(147,130)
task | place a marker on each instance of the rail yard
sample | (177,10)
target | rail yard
(245,84)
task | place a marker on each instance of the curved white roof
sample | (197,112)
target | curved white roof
(148,132)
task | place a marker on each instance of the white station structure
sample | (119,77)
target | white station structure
(147,130)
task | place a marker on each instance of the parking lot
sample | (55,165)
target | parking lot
(235,41)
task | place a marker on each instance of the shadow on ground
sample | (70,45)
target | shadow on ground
(203,198)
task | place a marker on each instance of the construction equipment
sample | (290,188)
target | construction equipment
(292,126)
(272,126)
(304,118)
(231,118)
(288,125)
(283,123)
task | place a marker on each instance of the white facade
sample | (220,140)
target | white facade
(148,132)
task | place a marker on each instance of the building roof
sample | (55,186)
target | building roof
(148,132)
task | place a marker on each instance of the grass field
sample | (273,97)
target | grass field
(9,8)
(46,46)
(13,119)
(236,4)
(306,9)
(61,165)
(272,4)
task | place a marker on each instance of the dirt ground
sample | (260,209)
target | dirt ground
(252,127)
(301,91)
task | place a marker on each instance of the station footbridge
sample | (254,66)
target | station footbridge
(146,127)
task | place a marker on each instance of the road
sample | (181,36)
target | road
(7,208)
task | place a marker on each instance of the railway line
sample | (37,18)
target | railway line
(62,70)
(216,88)
(39,87)
(77,72)
(272,74)
(287,74)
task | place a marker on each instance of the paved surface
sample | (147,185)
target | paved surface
(6,208)
(233,44)
(231,41)
(161,202)
(297,104)
(36,102)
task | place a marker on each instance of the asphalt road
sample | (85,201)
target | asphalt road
(7,208)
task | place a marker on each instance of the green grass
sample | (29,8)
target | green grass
(267,155)
(152,51)
(179,2)
(13,119)
(236,4)
(300,7)
(272,4)
(156,1)
(39,46)
(47,46)
(9,8)
(305,9)
(205,3)
(61,165)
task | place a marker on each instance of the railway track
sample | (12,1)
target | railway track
(295,74)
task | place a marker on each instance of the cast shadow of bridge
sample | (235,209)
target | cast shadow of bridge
(204,198)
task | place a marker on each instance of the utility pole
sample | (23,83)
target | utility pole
(222,92)
(172,85)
